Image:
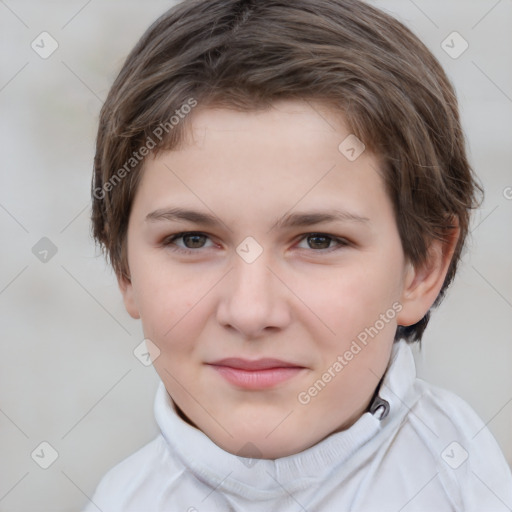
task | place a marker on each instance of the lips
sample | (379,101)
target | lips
(259,364)
(256,375)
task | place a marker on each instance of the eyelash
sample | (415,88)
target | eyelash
(169,241)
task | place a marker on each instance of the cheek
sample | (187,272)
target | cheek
(167,303)
(353,297)
(351,303)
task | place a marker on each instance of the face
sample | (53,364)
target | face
(260,256)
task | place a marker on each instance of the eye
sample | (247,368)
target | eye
(192,241)
(322,242)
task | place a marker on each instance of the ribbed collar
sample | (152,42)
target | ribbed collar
(265,478)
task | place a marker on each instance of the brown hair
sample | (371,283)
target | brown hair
(244,54)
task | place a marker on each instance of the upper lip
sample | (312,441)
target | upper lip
(257,364)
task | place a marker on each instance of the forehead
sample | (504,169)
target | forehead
(294,153)
(287,122)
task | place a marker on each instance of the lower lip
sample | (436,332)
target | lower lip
(257,379)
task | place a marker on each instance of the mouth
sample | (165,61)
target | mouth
(257,374)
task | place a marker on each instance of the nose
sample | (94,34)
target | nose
(254,300)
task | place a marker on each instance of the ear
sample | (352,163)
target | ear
(422,284)
(126,287)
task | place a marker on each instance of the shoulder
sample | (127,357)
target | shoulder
(120,485)
(447,415)
(445,411)
(469,461)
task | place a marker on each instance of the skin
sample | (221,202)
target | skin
(303,300)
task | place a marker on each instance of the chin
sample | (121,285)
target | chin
(261,444)
(259,449)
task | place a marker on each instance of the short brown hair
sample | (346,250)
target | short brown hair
(245,54)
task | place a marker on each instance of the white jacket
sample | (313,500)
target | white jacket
(424,449)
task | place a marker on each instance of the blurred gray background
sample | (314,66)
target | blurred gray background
(68,375)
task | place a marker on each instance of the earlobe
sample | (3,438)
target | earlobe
(126,287)
(423,283)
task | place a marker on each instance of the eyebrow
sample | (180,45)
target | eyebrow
(299,219)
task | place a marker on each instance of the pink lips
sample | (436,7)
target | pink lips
(258,374)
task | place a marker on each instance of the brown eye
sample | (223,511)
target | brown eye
(322,242)
(319,241)
(193,240)
(189,242)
